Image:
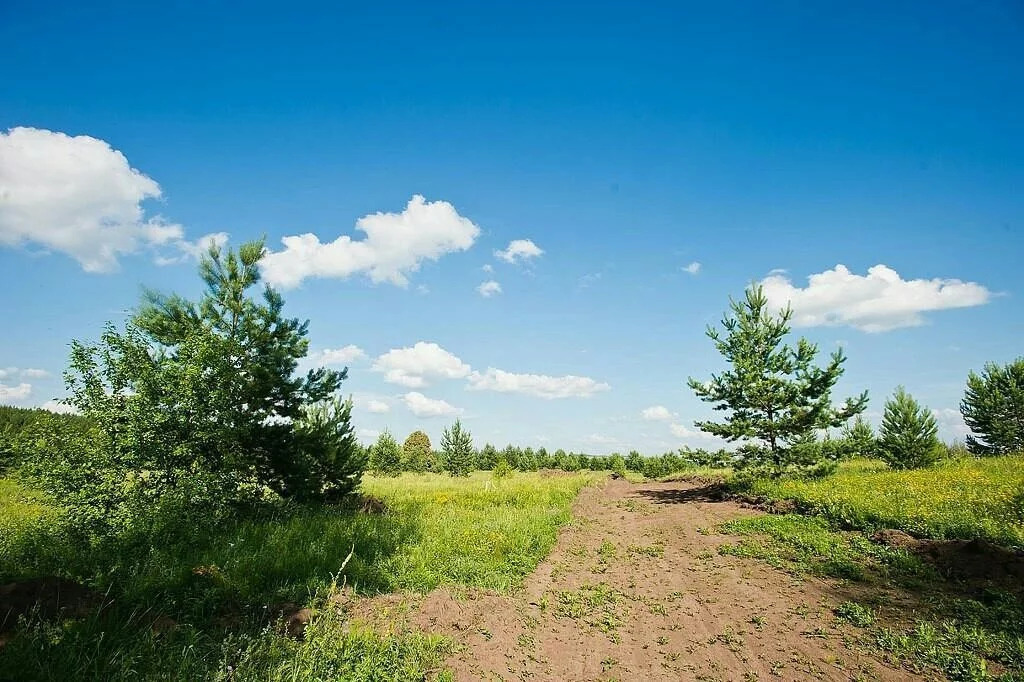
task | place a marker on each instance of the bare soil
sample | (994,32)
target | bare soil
(635,590)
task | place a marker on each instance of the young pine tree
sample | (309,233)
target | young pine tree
(416,452)
(993,408)
(908,437)
(860,439)
(386,455)
(457,445)
(775,396)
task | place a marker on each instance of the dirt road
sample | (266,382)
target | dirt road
(636,590)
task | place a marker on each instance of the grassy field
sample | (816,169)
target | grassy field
(965,499)
(217,588)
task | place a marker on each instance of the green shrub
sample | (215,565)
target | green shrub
(416,452)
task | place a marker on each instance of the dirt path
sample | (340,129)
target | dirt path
(636,590)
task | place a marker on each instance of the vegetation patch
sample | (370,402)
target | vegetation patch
(964,499)
(968,631)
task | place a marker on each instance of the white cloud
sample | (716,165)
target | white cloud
(539,385)
(194,250)
(488,268)
(367,436)
(23,373)
(14,393)
(377,406)
(58,407)
(339,356)
(79,196)
(876,302)
(413,366)
(396,244)
(489,288)
(656,413)
(422,406)
(951,423)
(693,268)
(682,431)
(519,250)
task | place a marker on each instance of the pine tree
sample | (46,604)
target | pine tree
(860,439)
(993,409)
(487,458)
(386,455)
(457,445)
(416,452)
(908,438)
(775,395)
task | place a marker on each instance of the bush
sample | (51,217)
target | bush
(501,469)
(908,438)
(416,452)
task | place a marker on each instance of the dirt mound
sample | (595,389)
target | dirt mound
(897,539)
(46,598)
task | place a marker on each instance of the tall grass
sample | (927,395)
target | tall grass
(965,498)
(217,584)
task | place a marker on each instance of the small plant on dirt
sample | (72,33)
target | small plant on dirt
(855,614)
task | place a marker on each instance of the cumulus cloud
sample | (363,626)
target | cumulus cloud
(14,393)
(339,356)
(422,406)
(693,268)
(488,268)
(951,423)
(377,406)
(489,288)
(194,250)
(414,366)
(78,196)
(396,244)
(876,302)
(539,385)
(657,413)
(519,251)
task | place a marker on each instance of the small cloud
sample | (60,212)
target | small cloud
(14,393)
(413,366)
(539,385)
(588,280)
(489,288)
(423,407)
(488,268)
(519,250)
(693,268)
(377,407)
(657,413)
(339,356)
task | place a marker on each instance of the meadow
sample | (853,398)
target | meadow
(202,605)
(964,499)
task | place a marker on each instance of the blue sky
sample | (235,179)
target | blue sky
(624,145)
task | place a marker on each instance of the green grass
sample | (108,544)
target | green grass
(216,585)
(967,633)
(967,499)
